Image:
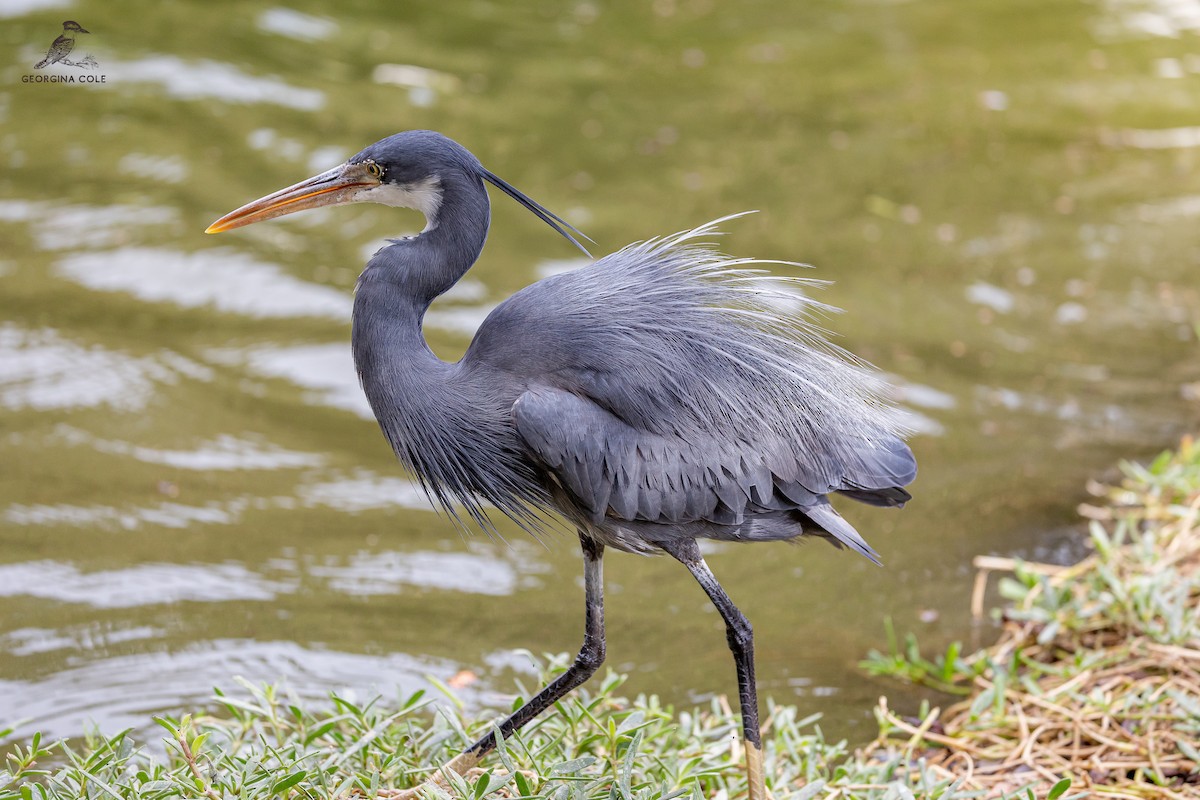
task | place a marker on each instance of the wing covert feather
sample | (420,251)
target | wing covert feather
(612,468)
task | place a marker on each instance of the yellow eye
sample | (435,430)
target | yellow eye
(374,170)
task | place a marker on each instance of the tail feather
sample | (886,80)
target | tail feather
(892,497)
(837,527)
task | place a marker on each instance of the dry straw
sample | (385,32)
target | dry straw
(1096,676)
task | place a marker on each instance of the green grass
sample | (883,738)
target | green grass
(596,745)
(1092,691)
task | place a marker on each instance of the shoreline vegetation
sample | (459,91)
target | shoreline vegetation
(1096,674)
(1092,690)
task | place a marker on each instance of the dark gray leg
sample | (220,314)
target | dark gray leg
(590,657)
(740,635)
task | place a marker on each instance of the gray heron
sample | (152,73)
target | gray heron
(658,396)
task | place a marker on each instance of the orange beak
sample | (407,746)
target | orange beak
(338,185)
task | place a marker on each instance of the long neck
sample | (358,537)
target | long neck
(395,364)
(425,266)
(401,280)
(445,424)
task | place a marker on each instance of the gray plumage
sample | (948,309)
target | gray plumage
(657,396)
(664,391)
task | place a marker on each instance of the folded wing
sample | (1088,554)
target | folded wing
(613,469)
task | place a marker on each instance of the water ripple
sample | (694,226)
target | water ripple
(142,585)
(198,79)
(296,25)
(225,452)
(995,298)
(65,227)
(327,370)
(373,573)
(123,692)
(38,641)
(166,515)
(42,370)
(19,8)
(364,492)
(1169,18)
(225,279)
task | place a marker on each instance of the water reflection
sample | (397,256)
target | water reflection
(199,79)
(222,278)
(124,691)
(1155,138)
(40,369)
(164,515)
(370,573)
(554,266)
(63,227)
(19,8)
(296,25)
(165,169)
(362,492)
(142,585)
(985,294)
(423,84)
(1168,210)
(364,572)
(225,452)
(325,370)
(365,491)
(1170,18)
(38,641)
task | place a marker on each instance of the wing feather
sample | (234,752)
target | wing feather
(668,383)
(612,469)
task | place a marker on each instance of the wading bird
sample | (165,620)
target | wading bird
(657,396)
(61,47)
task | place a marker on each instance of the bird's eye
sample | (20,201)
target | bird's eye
(374,170)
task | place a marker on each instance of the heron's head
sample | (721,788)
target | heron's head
(414,169)
(73,26)
(404,170)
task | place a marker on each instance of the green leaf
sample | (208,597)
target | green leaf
(572,766)
(481,785)
(1059,789)
(1188,750)
(951,662)
(166,725)
(625,779)
(811,790)
(107,789)
(320,730)
(450,694)
(283,784)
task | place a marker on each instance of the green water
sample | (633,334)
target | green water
(1005,193)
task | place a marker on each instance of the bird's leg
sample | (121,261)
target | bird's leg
(591,656)
(741,642)
(589,659)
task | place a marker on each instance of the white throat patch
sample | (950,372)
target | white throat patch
(425,197)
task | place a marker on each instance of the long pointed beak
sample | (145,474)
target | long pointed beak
(338,185)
